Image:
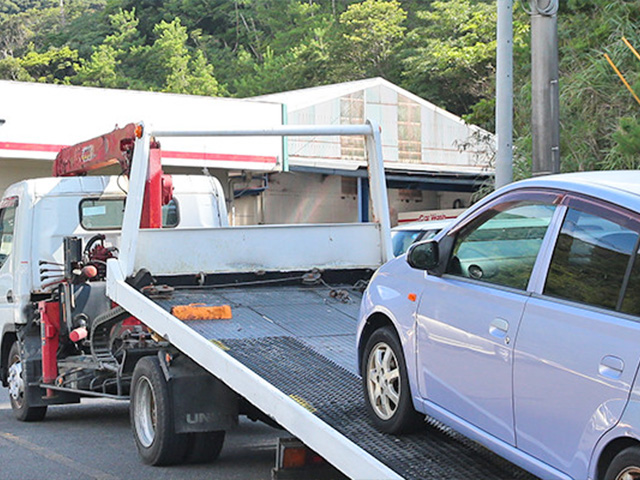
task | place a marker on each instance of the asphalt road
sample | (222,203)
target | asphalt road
(92,441)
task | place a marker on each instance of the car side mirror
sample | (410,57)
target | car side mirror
(424,255)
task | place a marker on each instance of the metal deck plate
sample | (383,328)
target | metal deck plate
(340,349)
(335,395)
(308,313)
(302,341)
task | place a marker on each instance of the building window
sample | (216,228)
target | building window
(409,131)
(352,113)
(349,186)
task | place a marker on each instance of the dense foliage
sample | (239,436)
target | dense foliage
(442,50)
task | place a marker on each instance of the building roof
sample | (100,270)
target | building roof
(418,138)
(307,97)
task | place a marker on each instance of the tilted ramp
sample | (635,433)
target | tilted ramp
(291,352)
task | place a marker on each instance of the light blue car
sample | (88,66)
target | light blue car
(519,326)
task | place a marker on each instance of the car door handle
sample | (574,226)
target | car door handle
(611,366)
(10,296)
(499,327)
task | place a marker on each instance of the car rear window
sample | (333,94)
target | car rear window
(591,261)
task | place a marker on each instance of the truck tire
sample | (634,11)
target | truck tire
(386,385)
(18,381)
(204,447)
(152,418)
(625,465)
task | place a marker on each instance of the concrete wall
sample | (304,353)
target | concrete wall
(313,198)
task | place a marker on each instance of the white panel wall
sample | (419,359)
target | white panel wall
(442,136)
(60,115)
(256,248)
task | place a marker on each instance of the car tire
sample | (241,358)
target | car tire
(386,386)
(151,416)
(18,382)
(625,465)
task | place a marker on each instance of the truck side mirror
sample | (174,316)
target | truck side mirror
(424,255)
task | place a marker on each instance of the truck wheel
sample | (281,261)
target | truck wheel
(18,389)
(151,416)
(625,465)
(204,447)
(386,385)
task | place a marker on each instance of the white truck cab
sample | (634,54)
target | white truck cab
(37,214)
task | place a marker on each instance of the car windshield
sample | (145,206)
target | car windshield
(402,239)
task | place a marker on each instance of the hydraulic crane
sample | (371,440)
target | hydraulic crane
(116,148)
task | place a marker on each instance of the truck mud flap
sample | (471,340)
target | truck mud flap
(201,402)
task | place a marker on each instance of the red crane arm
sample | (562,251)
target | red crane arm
(116,147)
(100,152)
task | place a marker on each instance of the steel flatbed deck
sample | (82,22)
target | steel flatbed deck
(301,340)
(289,349)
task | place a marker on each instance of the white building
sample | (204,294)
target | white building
(433,159)
(273,181)
(37,120)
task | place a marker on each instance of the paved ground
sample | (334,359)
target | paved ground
(92,441)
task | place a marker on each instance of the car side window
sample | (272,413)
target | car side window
(7,222)
(631,297)
(591,259)
(502,246)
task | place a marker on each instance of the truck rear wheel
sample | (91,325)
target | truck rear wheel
(18,382)
(151,416)
(204,447)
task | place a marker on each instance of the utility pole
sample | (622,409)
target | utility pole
(545,98)
(504,94)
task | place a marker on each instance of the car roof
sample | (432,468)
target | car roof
(617,186)
(627,181)
(426,225)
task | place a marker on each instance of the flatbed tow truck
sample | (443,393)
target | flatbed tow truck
(220,321)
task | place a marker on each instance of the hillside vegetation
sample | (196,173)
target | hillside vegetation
(442,50)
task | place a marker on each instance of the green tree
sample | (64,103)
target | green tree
(53,66)
(168,65)
(12,69)
(451,53)
(103,68)
(371,33)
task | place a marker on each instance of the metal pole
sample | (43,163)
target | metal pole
(545,118)
(378,192)
(504,94)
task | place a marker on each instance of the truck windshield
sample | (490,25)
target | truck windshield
(107,214)
(7,221)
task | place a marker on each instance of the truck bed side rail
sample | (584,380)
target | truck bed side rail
(139,170)
(261,247)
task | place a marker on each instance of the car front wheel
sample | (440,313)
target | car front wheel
(386,385)
(625,465)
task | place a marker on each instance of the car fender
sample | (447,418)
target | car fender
(395,292)
(627,428)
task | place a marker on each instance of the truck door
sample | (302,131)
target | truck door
(8,209)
